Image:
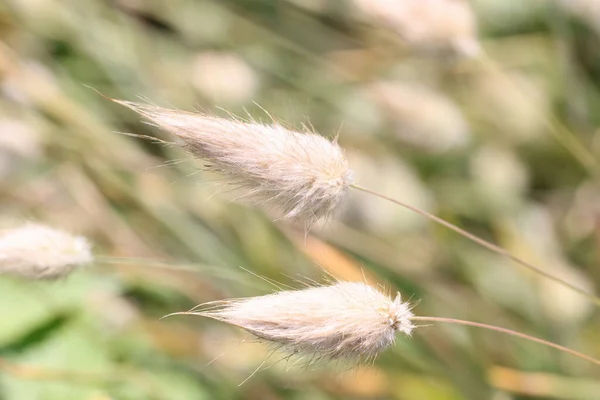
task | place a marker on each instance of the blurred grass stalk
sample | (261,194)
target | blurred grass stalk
(490,246)
(85,378)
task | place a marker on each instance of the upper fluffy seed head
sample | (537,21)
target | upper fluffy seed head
(344,320)
(39,252)
(303,175)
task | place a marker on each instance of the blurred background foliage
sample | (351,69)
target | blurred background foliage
(485,113)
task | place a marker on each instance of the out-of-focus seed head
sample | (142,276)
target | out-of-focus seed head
(18,142)
(586,10)
(224,77)
(38,252)
(346,320)
(427,24)
(421,116)
(303,175)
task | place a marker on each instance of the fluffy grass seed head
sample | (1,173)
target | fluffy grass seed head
(346,320)
(36,251)
(302,175)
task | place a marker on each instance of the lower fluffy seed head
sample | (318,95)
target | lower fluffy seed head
(39,252)
(344,320)
(303,175)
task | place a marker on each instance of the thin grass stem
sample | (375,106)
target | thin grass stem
(145,262)
(195,270)
(508,332)
(495,248)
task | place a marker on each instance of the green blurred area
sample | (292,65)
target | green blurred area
(504,143)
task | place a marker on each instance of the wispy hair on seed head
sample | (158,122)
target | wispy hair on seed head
(341,321)
(301,174)
(347,321)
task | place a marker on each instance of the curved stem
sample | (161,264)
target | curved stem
(193,269)
(495,248)
(508,332)
(146,262)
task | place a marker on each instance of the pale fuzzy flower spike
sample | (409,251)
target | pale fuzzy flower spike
(36,251)
(303,175)
(346,320)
